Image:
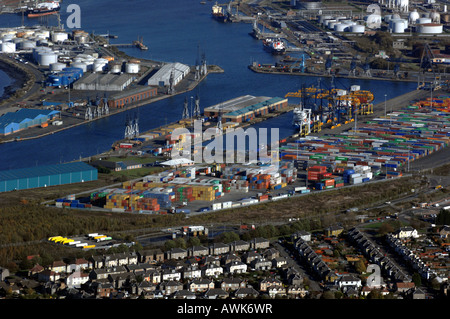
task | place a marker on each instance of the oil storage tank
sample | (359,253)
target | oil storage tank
(81,65)
(133,67)
(429,28)
(357,28)
(8,47)
(47,58)
(58,66)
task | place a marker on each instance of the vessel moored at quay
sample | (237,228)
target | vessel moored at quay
(43,9)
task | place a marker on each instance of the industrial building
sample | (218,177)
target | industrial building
(130,96)
(103,82)
(13,122)
(45,176)
(162,76)
(245,108)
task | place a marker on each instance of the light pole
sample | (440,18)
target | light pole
(385,105)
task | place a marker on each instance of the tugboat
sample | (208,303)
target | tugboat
(274,46)
(43,9)
(218,14)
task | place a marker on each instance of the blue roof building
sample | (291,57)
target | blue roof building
(45,176)
(12,122)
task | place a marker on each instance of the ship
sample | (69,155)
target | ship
(217,13)
(43,9)
(274,46)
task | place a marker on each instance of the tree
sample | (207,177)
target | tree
(417,279)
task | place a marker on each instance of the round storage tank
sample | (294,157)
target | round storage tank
(430,28)
(47,58)
(115,67)
(54,80)
(59,36)
(397,26)
(28,45)
(56,67)
(340,27)
(81,65)
(99,65)
(329,22)
(8,47)
(357,28)
(324,17)
(132,68)
(423,20)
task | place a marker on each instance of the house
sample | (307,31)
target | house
(444,232)
(191,272)
(249,256)
(170,274)
(76,279)
(304,235)
(210,260)
(200,285)
(35,270)
(266,283)
(259,243)
(97,261)
(184,294)
(261,264)
(216,293)
(4,272)
(296,291)
(275,291)
(118,280)
(218,249)
(271,253)
(404,287)
(97,274)
(58,266)
(235,267)
(231,284)
(229,258)
(116,166)
(198,251)
(211,270)
(102,289)
(77,265)
(419,294)
(239,245)
(334,230)
(247,292)
(150,256)
(349,281)
(170,287)
(48,275)
(279,262)
(177,253)
(406,232)
(142,288)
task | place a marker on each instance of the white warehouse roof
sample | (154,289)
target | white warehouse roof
(163,75)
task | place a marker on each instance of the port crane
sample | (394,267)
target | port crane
(333,105)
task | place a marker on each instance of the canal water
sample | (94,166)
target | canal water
(175,31)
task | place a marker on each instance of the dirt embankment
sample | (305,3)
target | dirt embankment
(22,80)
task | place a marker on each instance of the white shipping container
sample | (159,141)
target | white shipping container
(74,242)
(81,245)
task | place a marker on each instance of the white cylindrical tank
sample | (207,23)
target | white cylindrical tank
(80,65)
(27,45)
(430,28)
(115,67)
(324,17)
(59,36)
(340,27)
(132,68)
(8,47)
(99,65)
(413,16)
(329,22)
(397,26)
(423,20)
(357,28)
(56,67)
(47,58)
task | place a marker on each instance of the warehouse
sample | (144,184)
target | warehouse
(45,176)
(245,108)
(162,77)
(13,122)
(130,96)
(104,82)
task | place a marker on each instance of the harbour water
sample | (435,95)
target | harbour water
(174,31)
(4,82)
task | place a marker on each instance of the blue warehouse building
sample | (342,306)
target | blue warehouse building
(45,176)
(12,122)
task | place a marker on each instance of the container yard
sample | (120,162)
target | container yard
(380,148)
